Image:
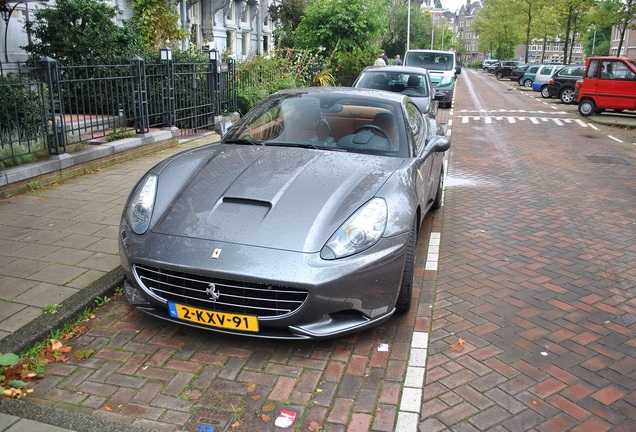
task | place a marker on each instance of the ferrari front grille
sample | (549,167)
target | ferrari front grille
(219,295)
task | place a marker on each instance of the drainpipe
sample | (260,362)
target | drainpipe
(259,30)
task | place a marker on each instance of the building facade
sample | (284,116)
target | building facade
(235,28)
(468,39)
(628,49)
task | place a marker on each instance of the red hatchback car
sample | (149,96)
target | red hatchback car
(608,83)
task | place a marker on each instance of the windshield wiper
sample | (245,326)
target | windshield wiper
(243,141)
(300,145)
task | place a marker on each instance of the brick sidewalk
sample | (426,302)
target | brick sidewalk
(537,276)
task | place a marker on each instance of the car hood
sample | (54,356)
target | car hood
(277,197)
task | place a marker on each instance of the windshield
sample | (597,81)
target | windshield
(430,60)
(325,121)
(410,84)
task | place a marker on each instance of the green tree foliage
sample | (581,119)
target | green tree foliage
(598,24)
(79,31)
(348,31)
(158,22)
(619,13)
(570,15)
(394,39)
(500,29)
(529,11)
(287,14)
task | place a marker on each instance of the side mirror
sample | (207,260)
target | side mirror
(458,70)
(438,144)
(438,96)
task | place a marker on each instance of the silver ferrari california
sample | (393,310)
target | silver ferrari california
(300,223)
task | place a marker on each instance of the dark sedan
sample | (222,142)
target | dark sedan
(518,71)
(563,82)
(301,222)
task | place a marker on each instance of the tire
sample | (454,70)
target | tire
(440,190)
(527,83)
(567,95)
(499,76)
(403,303)
(545,93)
(520,81)
(587,107)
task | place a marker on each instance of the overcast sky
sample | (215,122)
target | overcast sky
(452,5)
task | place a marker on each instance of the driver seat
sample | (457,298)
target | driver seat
(386,122)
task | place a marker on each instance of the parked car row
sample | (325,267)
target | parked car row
(602,83)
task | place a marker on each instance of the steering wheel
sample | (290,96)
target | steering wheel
(373,128)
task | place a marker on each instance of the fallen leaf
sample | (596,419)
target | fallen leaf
(236,424)
(256,397)
(314,427)
(84,354)
(108,408)
(265,418)
(55,345)
(251,387)
(268,407)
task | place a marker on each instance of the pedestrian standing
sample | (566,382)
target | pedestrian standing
(397,61)
(380,61)
(385,58)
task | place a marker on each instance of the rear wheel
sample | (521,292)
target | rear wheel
(527,83)
(499,75)
(567,95)
(587,107)
(403,303)
(545,92)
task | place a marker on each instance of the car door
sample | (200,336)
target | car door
(616,85)
(428,163)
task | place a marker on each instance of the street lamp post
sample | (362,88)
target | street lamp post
(7,11)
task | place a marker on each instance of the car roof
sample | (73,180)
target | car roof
(378,95)
(401,69)
(429,51)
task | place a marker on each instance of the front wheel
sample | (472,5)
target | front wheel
(403,303)
(567,95)
(587,107)
(545,93)
(440,190)
(527,83)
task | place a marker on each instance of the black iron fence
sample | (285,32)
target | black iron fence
(45,109)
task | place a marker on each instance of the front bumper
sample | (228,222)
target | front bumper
(342,296)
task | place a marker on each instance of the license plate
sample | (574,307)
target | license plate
(213,318)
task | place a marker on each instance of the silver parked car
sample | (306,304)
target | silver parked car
(411,81)
(300,223)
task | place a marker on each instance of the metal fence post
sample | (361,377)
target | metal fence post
(215,82)
(140,94)
(231,80)
(169,108)
(56,135)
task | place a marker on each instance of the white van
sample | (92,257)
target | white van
(442,68)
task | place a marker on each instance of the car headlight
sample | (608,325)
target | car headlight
(141,205)
(361,231)
(446,80)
